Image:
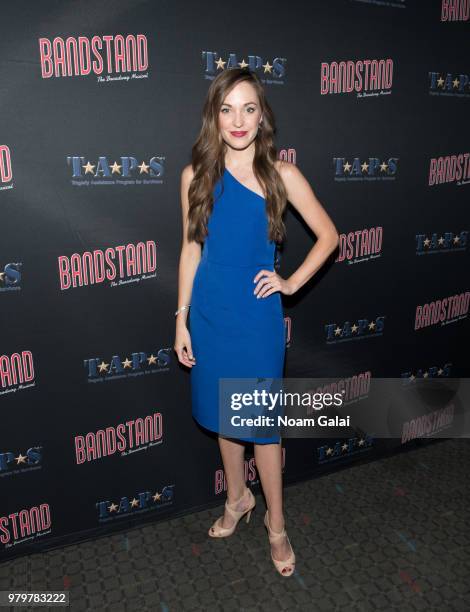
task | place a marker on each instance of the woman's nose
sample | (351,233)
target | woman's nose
(238,120)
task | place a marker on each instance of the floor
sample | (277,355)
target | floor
(391,534)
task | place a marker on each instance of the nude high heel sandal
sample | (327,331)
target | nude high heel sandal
(285,568)
(217,531)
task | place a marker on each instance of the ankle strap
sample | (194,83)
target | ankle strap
(274,535)
(238,512)
(247,490)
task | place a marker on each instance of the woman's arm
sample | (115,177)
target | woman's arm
(189,261)
(301,196)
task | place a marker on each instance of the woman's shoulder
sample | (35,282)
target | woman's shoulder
(187,174)
(284,167)
(287,171)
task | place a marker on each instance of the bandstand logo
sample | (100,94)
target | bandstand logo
(109,58)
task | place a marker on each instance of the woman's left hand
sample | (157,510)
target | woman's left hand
(270,282)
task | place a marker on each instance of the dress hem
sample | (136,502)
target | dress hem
(253,440)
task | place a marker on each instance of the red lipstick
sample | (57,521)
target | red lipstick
(238,134)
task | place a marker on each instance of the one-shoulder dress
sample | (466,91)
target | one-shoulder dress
(233,333)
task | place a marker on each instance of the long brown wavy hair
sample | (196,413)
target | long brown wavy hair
(208,158)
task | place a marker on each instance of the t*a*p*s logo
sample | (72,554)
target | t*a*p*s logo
(442,242)
(10,277)
(135,503)
(448,84)
(335,450)
(358,330)
(269,72)
(410,377)
(13,462)
(132,365)
(124,170)
(356,169)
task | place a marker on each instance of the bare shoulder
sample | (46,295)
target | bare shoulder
(290,174)
(187,175)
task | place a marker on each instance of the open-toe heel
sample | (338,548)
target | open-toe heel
(217,531)
(285,568)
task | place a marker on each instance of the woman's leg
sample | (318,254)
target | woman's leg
(268,460)
(233,456)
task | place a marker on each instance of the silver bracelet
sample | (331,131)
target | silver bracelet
(185,307)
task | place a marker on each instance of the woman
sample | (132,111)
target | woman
(233,198)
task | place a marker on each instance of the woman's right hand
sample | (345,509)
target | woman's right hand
(183,346)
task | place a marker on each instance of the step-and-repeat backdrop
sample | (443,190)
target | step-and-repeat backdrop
(100,104)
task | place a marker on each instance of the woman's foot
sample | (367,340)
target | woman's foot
(281,547)
(282,554)
(225,525)
(239,505)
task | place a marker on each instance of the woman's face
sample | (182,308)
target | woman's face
(239,116)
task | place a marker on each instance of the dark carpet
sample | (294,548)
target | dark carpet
(391,534)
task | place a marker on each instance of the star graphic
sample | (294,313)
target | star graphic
(456,239)
(347,167)
(383,166)
(103,367)
(20,459)
(2,275)
(365,167)
(361,442)
(134,503)
(89,168)
(440,82)
(439,372)
(143,168)
(152,359)
(116,168)
(354,328)
(243,64)
(371,325)
(220,64)
(344,447)
(127,363)
(427,242)
(113,507)
(456,82)
(329,450)
(425,375)
(412,378)
(441,240)
(337,331)
(267,67)
(157,496)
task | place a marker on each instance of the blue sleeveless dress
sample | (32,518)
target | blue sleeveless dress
(233,333)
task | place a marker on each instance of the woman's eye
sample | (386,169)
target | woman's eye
(251,109)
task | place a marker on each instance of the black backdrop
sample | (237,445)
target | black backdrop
(92,365)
